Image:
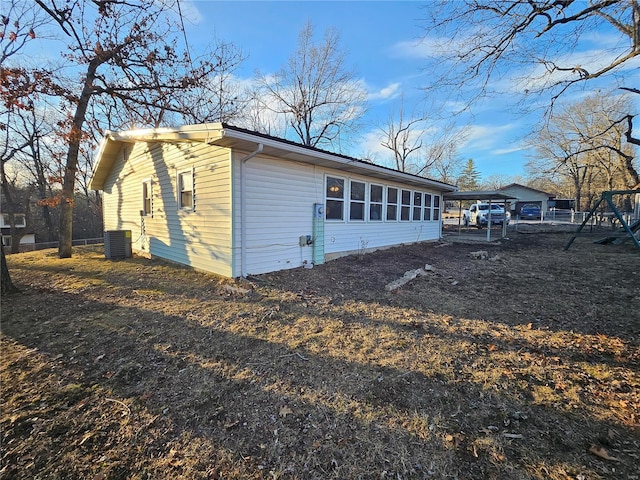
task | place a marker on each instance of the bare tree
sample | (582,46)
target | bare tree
(482,37)
(582,145)
(319,97)
(402,135)
(19,22)
(127,52)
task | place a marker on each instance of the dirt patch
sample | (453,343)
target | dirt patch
(523,364)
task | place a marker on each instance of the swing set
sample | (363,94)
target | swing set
(625,232)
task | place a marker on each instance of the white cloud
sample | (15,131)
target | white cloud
(487,137)
(390,91)
(419,49)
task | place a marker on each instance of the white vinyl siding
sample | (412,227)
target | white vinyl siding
(279,210)
(201,239)
(280,197)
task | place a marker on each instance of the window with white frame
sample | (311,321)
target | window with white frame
(375,203)
(356,203)
(392,204)
(334,203)
(185,190)
(427,206)
(436,207)
(417,206)
(19,218)
(405,206)
(147,198)
(6,240)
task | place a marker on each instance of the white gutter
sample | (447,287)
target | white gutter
(243,210)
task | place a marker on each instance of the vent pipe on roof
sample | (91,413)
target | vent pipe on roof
(243,209)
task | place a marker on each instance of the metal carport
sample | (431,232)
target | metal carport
(490,196)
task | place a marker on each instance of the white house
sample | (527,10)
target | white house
(525,195)
(235,202)
(27,240)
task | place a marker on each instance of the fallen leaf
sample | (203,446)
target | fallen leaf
(230,425)
(86,437)
(284,411)
(492,348)
(602,453)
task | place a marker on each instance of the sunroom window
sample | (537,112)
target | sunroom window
(334,205)
(392,204)
(375,203)
(417,206)
(356,205)
(405,209)
(427,206)
(436,207)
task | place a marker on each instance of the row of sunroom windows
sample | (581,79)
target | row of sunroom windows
(360,201)
(365,201)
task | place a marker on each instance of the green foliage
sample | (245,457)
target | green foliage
(469,178)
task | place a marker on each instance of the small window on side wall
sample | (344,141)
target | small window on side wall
(185,190)
(147,199)
(436,207)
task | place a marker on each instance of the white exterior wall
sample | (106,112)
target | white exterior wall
(279,209)
(526,195)
(200,238)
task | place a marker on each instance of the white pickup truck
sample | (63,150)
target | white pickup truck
(478,215)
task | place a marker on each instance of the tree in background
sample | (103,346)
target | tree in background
(127,69)
(480,39)
(583,149)
(319,98)
(420,146)
(402,135)
(469,178)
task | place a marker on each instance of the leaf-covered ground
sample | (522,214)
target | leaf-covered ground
(524,365)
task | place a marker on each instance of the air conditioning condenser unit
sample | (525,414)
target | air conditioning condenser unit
(117,244)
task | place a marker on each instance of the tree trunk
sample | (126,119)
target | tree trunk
(68,187)
(7,284)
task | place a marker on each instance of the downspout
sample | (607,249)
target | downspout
(243,210)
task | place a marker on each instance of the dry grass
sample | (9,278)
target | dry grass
(524,366)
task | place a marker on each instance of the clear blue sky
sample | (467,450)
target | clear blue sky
(377,36)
